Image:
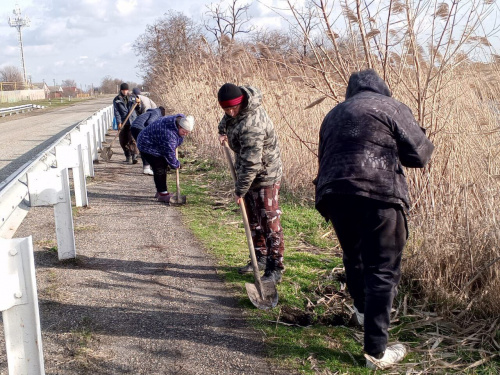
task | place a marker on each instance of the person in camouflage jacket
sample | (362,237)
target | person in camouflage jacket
(250,133)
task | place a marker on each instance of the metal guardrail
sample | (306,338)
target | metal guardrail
(41,183)
(18,109)
(14,198)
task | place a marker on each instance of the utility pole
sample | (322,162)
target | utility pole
(19,22)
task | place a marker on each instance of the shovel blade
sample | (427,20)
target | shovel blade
(268,300)
(178,199)
(106,153)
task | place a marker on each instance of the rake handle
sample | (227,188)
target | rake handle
(246,224)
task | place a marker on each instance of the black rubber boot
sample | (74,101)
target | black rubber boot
(274,275)
(249,269)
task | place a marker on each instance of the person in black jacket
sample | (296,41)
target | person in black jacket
(122,104)
(361,188)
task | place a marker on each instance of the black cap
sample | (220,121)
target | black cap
(229,91)
(124,86)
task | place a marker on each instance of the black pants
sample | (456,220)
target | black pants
(127,142)
(135,134)
(372,235)
(159,166)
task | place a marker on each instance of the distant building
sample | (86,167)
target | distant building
(70,91)
(55,92)
(43,86)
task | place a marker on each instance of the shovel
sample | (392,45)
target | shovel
(106,151)
(177,199)
(263,295)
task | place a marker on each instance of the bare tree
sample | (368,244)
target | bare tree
(68,83)
(277,41)
(227,21)
(166,41)
(307,20)
(110,85)
(11,74)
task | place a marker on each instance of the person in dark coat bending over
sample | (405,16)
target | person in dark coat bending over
(158,142)
(140,123)
(361,188)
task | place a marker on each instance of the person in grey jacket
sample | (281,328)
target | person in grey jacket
(361,188)
(146,103)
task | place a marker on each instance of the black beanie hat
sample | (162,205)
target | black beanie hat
(228,92)
(124,86)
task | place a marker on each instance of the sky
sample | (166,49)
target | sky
(85,40)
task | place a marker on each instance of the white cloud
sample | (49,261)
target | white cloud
(126,7)
(125,49)
(39,50)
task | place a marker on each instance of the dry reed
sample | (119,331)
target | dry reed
(452,260)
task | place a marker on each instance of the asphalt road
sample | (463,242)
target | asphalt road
(24,137)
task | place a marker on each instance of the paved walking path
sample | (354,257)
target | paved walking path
(143,296)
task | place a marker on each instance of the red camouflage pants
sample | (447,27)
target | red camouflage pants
(264,216)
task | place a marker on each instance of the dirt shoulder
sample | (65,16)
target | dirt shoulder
(143,297)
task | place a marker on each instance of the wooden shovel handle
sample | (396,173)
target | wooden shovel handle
(123,123)
(177,178)
(246,224)
(229,160)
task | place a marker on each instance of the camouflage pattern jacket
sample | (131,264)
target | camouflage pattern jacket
(252,137)
(365,141)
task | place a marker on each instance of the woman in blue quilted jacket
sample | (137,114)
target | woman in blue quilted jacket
(157,144)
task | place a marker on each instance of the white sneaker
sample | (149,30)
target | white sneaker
(359,317)
(393,354)
(148,171)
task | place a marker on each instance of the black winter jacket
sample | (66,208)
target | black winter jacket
(122,105)
(365,141)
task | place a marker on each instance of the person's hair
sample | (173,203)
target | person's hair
(162,110)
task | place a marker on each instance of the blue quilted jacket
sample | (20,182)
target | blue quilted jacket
(147,118)
(161,138)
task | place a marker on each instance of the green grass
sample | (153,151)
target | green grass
(311,253)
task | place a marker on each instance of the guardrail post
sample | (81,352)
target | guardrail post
(51,188)
(86,142)
(95,123)
(109,117)
(81,137)
(93,140)
(71,157)
(19,306)
(104,121)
